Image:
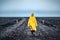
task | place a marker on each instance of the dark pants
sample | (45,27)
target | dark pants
(32,31)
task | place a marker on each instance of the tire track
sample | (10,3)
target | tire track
(8,30)
(47,32)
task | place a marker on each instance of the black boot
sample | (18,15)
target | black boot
(33,32)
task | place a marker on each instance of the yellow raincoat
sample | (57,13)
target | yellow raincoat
(32,22)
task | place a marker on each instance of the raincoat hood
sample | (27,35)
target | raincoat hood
(32,15)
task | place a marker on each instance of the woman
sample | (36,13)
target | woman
(32,23)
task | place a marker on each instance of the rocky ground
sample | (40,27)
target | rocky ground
(21,31)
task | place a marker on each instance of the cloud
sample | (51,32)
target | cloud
(30,5)
(39,7)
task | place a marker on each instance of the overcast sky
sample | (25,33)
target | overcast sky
(22,8)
